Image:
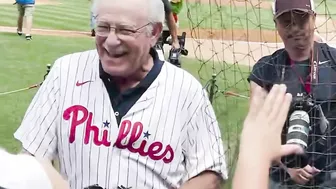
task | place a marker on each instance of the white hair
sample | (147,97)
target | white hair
(156,11)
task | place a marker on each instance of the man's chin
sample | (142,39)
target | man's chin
(116,68)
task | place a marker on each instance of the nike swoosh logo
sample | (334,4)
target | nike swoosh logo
(82,83)
(324,62)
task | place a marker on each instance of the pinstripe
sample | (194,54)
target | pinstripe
(166,114)
(87,103)
(48,128)
(173,111)
(37,125)
(51,141)
(108,153)
(176,111)
(39,108)
(150,123)
(74,164)
(34,102)
(61,127)
(165,89)
(165,124)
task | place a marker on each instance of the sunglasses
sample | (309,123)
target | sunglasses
(294,17)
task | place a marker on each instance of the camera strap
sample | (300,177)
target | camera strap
(312,77)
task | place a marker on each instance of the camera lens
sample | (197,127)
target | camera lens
(298,132)
(298,129)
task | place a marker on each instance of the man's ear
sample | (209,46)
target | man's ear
(156,32)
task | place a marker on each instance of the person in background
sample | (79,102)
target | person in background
(26,9)
(93,15)
(317,36)
(307,67)
(260,142)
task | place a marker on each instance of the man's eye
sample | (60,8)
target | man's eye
(126,31)
(103,27)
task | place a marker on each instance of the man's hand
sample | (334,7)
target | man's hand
(261,137)
(304,175)
(264,122)
(176,44)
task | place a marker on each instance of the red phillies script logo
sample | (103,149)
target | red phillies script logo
(155,150)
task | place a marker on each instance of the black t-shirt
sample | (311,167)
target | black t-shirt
(276,68)
(167,7)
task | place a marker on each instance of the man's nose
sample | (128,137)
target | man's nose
(112,38)
(295,26)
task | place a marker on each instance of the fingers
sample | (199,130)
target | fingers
(257,99)
(302,180)
(316,170)
(278,100)
(289,149)
(311,170)
(281,117)
(269,101)
(305,175)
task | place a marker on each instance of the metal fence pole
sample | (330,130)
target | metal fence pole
(212,88)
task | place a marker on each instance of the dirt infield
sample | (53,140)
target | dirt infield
(325,25)
(234,34)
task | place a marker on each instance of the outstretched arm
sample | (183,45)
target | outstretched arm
(171,23)
(261,137)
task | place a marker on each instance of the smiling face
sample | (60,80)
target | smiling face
(124,36)
(296,29)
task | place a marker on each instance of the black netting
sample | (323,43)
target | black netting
(230,37)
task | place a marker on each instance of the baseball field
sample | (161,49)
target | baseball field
(224,38)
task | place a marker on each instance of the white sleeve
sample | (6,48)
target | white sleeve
(22,172)
(204,146)
(37,131)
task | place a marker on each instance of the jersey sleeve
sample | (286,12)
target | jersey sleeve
(167,7)
(203,145)
(37,131)
(261,73)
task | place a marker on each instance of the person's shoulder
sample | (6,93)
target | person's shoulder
(326,48)
(329,52)
(77,59)
(182,76)
(278,57)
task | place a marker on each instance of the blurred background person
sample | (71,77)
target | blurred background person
(26,9)
(93,15)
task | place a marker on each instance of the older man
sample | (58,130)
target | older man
(308,69)
(118,116)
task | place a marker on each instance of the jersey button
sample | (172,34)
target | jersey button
(116,114)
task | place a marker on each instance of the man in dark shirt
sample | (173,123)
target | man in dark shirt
(306,67)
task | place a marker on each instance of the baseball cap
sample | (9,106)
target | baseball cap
(22,172)
(282,6)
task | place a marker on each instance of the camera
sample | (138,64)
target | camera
(174,54)
(299,129)
(174,57)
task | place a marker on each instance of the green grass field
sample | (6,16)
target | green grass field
(194,15)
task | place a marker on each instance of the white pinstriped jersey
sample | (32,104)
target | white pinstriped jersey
(168,136)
